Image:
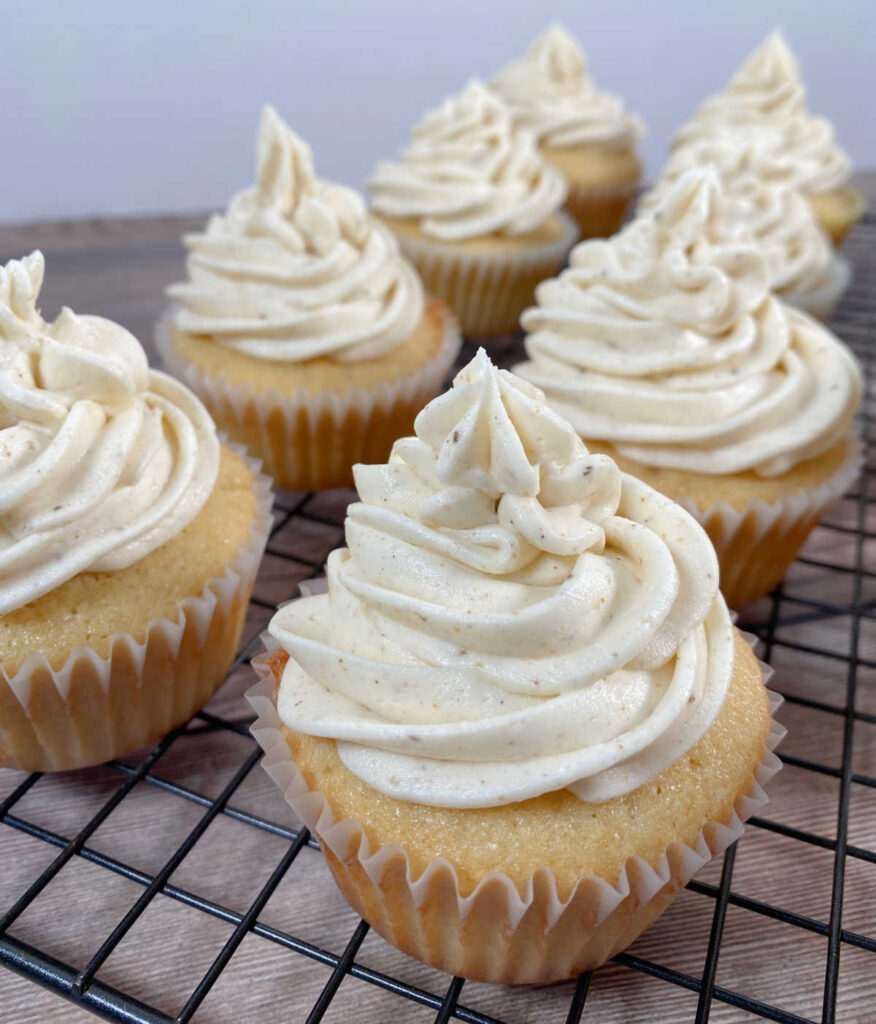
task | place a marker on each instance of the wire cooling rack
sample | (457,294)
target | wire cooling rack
(790,959)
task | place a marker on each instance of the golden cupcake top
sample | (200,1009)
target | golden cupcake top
(551,94)
(666,342)
(469,172)
(102,460)
(296,268)
(511,616)
(765,100)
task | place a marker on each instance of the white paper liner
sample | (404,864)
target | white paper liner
(488,291)
(736,535)
(821,302)
(76,742)
(311,442)
(644,881)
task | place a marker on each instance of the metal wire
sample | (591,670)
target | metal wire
(856,323)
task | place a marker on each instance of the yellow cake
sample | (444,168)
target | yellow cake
(838,209)
(556,831)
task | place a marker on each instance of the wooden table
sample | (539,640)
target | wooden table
(119,269)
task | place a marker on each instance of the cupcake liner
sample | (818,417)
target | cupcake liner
(821,302)
(95,708)
(311,442)
(496,933)
(488,291)
(600,210)
(757,545)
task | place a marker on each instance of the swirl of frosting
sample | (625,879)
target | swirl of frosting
(666,342)
(469,172)
(296,269)
(512,615)
(802,154)
(102,460)
(799,254)
(766,95)
(550,93)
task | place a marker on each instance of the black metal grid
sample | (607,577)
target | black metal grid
(856,323)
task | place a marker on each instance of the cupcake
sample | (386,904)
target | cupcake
(476,208)
(804,269)
(129,539)
(520,718)
(301,327)
(586,134)
(766,97)
(665,348)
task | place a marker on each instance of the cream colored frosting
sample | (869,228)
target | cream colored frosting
(799,254)
(766,95)
(297,269)
(666,342)
(102,460)
(469,172)
(512,614)
(551,94)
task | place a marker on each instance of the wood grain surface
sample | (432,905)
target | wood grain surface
(119,269)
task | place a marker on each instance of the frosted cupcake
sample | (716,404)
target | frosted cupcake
(665,348)
(477,209)
(804,269)
(766,96)
(520,719)
(301,327)
(584,132)
(129,539)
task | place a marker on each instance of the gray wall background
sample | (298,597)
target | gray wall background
(128,106)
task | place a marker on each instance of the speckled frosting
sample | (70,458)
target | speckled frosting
(666,341)
(102,460)
(512,615)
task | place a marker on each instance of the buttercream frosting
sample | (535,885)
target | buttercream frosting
(296,268)
(469,172)
(511,616)
(666,342)
(799,254)
(551,94)
(766,95)
(102,460)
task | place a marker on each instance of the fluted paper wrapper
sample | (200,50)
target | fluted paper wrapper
(495,934)
(311,442)
(95,708)
(821,302)
(600,210)
(756,546)
(488,291)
